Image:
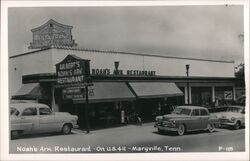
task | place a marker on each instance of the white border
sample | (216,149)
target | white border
(144,156)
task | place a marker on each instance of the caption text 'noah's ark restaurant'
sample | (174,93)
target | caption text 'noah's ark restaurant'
(121,82)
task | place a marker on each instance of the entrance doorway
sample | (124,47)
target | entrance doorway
(202,96)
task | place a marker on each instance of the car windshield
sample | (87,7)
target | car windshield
(234,109)
(14,111)
(181,111)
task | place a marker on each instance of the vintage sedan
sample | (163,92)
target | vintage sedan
(30,118)
(187,118)
(233,117)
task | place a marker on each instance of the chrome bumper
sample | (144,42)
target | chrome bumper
(167,128)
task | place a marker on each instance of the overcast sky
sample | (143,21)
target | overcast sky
(209,32)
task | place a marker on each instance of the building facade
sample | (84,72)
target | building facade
(123,83)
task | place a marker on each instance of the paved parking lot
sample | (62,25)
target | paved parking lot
(132,138)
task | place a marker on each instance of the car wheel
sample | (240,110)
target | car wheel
(66,129)
(210,127)
(237,125)
(160,131)
(15,134)
(181,130)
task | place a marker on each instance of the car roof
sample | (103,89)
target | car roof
(22,106)
(191,107)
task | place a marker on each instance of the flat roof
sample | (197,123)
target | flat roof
(119,52)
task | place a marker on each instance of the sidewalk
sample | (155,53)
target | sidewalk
(111,129)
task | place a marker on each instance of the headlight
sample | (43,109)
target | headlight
(74,121)
(158,118)
(233,119)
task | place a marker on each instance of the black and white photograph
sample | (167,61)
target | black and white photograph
(125,79)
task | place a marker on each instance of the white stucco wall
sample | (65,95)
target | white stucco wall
(44,62)
(34,63)
(162,66)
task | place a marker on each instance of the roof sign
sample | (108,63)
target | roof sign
(52,33)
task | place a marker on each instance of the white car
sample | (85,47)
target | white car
(30,118)
(233,117)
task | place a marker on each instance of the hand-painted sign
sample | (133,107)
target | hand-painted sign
(72,71)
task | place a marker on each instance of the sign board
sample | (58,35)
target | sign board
(52,33)
(72,71)
(228,95)
(76,93)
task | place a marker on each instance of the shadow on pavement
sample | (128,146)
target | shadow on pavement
(31,136)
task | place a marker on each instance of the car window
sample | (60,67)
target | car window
(234,109)
(181,111)
(14,111)
(203,112)
(195,112)
(44,111)
(31,111)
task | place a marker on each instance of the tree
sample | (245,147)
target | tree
(241,71)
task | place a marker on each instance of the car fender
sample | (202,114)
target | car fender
(180,122)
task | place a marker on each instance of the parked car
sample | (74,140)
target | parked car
(187,118)
(30,118)
(233,117)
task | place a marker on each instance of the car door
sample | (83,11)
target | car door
(204,115)
(195,120)
(29,121)
(47,120)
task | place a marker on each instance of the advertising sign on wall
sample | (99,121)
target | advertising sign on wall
(228,95)
(76,93)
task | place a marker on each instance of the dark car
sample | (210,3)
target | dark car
(187,118)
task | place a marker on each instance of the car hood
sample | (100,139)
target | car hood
(173,116)
(227,114)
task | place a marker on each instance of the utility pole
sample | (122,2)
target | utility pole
(86,108)
(187,72)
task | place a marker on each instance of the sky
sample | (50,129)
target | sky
(209,32)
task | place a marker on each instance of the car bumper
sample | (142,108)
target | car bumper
(165,128)
(227,124)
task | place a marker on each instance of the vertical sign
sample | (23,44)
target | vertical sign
(73,71)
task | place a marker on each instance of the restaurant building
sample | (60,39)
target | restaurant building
(122,83)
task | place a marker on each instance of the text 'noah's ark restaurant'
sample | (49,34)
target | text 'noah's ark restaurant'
(120,83)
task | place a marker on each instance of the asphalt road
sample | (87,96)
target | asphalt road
(132,138)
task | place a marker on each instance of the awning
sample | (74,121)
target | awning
(108,92)
(155,89)
(28,91)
